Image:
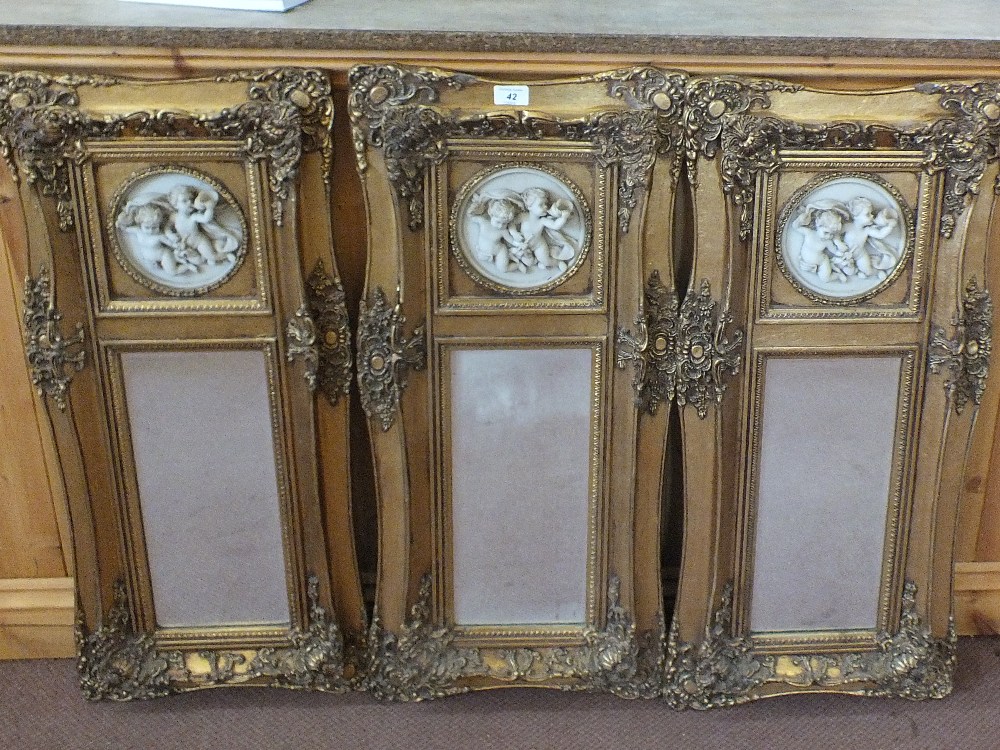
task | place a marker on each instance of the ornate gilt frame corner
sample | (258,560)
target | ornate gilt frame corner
(426,660)
(43,130)
(727,669)
(117,663)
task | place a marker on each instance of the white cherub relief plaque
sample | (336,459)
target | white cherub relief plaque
(520,228)
(178,232)
(843,238)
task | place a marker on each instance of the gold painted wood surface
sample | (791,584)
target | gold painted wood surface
(34,530)
(33,525)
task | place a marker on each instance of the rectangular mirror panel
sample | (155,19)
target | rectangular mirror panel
(521,422)
(828,429)
(204,450)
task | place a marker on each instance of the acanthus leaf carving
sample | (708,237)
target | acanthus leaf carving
(117,663)
(966,355)
(721,670)
(750,146)
(300,344)
(960,145)
(724,669)
(376,91)
(419,663)
(385,357)
(711,103)
(682,351)
(328,308)
(664,93)
(290,112)
(423,661)
(314,658)
(42,131)
(392,109)
(652,350)
(52,358)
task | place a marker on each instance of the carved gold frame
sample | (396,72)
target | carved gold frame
(218,125)
(100,229)
(139,585)
(420,134)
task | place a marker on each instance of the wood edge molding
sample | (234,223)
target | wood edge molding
(36,618)
(176,62)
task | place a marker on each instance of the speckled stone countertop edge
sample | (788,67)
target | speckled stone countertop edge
(499,43)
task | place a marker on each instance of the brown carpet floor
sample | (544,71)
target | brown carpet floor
(43,709)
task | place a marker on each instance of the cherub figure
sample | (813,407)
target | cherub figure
(539,225)
(820,227)
(145,224)
(193,221)
(864,235)
(497,242)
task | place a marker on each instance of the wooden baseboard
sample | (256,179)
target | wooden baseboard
(977,598)
(37,614)
(36,618)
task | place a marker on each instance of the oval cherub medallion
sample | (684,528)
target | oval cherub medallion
(844,238)
(520,228)
(177,231)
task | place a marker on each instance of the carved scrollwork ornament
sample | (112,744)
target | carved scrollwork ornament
(723,670)
(658,90)
(290,112)
(379,90)
(966,355)
(385,357)
(960,145)
(390,110)
(423,661)
(681,353)
(652,350)
(328,309)
(750,145)
(52,358)
(117,663)
(712,103)
(42,130)
(419,663)
(300,344)
(314,658)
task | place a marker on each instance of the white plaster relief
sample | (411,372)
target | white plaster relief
(178,233)
(844,238)
(520,228)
